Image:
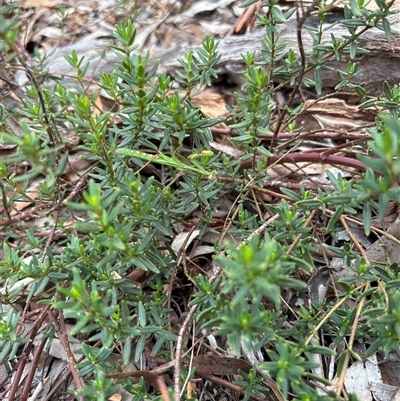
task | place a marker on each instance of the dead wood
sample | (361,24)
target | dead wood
(380,64)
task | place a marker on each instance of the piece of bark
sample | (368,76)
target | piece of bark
(382,63)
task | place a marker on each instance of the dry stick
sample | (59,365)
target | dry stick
(32,369)
(340,383)
(271,193)
(78,187)
(179,344)
(5,201)
(54,135)
(252,359)
(227,225)
(299,79)
(278,183)
(191,360)
(8,79)
(180,254)
(39,389)
(374,229)
(58,234)
(313,157)
(286,137)
(366,286)
(70,355)
(64,340)
(24,316)
(163,388)
(193,309)
(227,384)
(25,353)
(29,214)
(342,146)
(55,387)
(256,203)
(354,239)
(297,185)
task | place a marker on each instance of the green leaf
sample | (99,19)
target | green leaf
(353,49)
(141,315)
(248,3)
(160,158)
(386,90)
(387,29)
(278,14)
(318,80)
(367,216)
(139,348)
(355,9)
(127,350)
(334,219)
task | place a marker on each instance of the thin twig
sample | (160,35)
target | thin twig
(53,134)
(300,22)
(288,137)
(32,369)
(5,201)
(61,329)
(180,254)
(231,386)
(25,353)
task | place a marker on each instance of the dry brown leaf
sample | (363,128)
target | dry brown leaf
(153,379)
(219,365)
(211,104)
(191,386)
(227,149)
(338,108)
(115,397)
(291,170)
(39,3)
(246,21)
(98,109)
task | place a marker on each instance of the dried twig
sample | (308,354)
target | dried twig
(25,353)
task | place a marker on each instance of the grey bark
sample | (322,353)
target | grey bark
(382,63)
